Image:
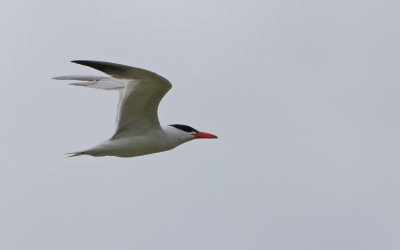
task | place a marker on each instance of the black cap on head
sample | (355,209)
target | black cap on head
(184,128)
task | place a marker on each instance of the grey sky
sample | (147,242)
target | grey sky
(304,96)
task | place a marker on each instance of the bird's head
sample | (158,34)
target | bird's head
(189,133)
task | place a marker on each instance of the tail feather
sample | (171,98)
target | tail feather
(73,154)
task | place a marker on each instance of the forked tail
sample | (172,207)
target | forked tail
(73,154)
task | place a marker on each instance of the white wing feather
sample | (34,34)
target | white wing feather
(96,82)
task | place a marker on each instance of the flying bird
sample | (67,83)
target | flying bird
(138,129)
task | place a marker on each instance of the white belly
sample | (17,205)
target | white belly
(131,146)
(155,141)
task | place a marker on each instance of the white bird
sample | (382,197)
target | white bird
(138,129)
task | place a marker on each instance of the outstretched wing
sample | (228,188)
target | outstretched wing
(143,91)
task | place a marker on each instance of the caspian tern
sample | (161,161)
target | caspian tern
(138,129)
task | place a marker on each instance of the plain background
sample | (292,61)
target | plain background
(304,96)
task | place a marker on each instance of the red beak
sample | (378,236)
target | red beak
(204,135)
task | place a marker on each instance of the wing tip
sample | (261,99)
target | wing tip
(73,154)
(82,62)
(99,65)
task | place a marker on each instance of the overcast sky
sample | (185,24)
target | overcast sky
(304,96)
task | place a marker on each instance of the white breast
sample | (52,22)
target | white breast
(156,141)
